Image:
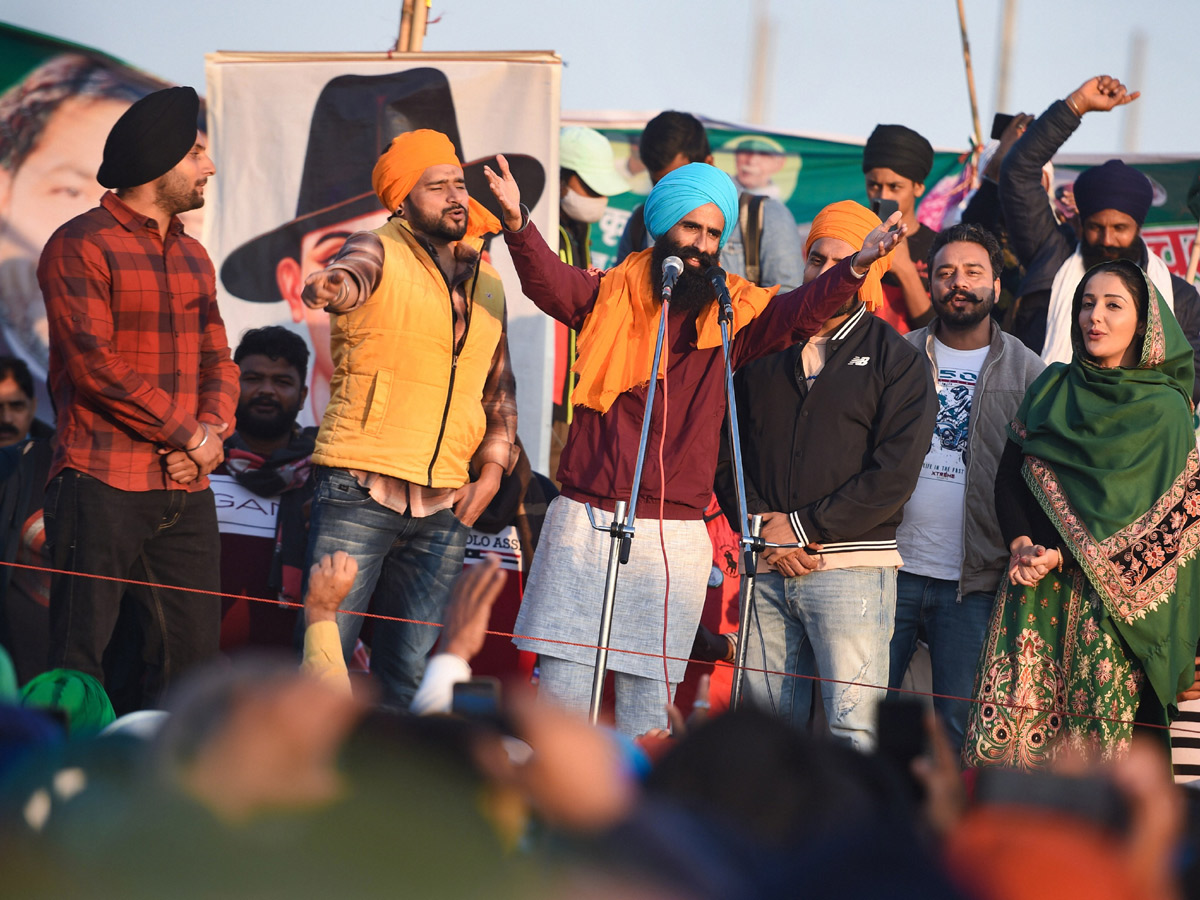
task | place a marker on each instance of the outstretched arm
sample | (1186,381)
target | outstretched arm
(1030,221)
(329,582)
(799,314)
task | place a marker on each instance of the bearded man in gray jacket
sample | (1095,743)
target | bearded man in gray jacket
(954,557)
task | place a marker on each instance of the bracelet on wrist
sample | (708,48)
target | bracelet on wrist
(202,440)
(1071,105)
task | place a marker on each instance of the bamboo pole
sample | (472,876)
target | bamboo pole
(962,25)
(406,17)
(1008,20)
(1194,259)
(420,17)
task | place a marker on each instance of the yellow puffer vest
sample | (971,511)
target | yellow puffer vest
(400,402)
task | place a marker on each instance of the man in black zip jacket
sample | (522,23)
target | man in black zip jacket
(833,435)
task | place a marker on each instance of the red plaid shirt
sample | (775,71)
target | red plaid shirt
(138,355)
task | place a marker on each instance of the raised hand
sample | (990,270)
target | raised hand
(1011,134)
(470,607)
(508,194)
(880,242)
(1100,94)
(325,289)
(329,581)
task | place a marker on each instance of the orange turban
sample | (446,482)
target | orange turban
(851,222)
(405,161)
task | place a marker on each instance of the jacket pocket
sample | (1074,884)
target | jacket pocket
(377,402)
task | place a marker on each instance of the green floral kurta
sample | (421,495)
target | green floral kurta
(1110,456)
(1051,649)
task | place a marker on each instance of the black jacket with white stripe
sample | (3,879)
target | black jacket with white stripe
(842,456)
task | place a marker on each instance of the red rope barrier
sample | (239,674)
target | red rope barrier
(666,658)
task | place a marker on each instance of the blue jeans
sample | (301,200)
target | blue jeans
(408,564)
(836,623)
(955,629)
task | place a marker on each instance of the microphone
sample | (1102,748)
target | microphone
(716,277)
(672,268)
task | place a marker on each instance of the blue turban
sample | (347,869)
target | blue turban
(686,188)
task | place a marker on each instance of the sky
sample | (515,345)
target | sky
(835,67)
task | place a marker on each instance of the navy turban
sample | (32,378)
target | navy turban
(1114,185)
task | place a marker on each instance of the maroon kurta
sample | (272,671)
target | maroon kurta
(597,464)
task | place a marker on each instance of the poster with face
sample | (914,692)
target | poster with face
(295,137)
(57,104)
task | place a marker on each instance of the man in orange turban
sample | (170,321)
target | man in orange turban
(834,430)
(422,396)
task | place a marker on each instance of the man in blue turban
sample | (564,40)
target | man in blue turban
(691,212)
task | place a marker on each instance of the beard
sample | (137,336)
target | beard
(846,308)
(266,420)
(961,320)
(693,291)
(1094,254)
(176,195)
(438,225)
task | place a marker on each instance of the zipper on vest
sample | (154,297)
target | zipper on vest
(437,447)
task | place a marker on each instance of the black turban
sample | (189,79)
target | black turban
(150,138)
(900,149)
(1113,185)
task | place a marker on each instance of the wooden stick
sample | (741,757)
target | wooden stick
(1194,259)
(962,25)
(406,17)
(420,17)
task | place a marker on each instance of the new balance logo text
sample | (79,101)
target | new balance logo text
(859,361)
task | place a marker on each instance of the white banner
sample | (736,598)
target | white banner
(241,511)
(294,138)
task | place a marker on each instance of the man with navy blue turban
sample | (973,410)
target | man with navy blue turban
(690,213)
(1113,200)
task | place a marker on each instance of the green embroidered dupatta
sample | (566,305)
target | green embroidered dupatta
(1110,454)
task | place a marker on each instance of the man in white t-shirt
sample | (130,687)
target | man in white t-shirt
(954,557)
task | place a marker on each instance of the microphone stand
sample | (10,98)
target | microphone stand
(621,527)
(750,539)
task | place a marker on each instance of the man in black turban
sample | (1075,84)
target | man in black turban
(896,162)
(144,389)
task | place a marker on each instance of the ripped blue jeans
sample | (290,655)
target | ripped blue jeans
(836,623)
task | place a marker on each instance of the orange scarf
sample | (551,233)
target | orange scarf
(405,161)
(616,342)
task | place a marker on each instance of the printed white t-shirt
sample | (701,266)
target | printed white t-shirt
(931,534)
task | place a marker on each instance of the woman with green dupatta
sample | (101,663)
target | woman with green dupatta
(1097,494)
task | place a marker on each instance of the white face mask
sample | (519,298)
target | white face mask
(583,209)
